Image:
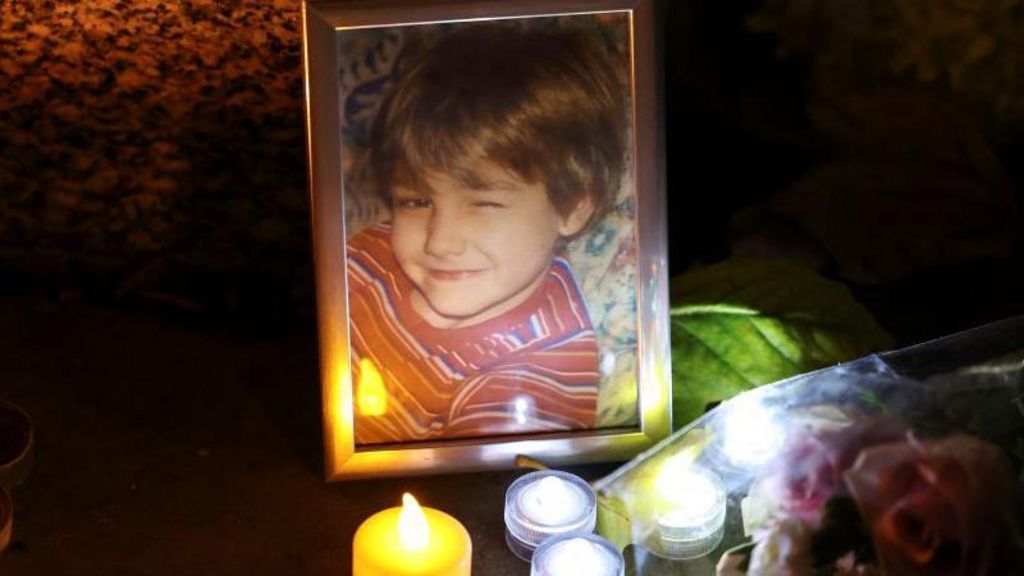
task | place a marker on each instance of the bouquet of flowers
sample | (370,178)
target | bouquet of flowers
(871,498)
(922,479)
(903,464)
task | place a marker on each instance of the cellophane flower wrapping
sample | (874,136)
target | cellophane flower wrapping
(898,464)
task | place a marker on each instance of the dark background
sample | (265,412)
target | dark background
(156,282)
(153,153)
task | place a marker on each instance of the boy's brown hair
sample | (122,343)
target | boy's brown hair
(547,105)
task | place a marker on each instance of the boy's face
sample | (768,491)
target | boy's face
(475,252)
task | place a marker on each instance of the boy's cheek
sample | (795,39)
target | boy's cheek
(405,234)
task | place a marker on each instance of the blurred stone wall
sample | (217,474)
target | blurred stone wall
(155,150)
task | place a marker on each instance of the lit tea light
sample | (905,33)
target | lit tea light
(691,518)
(575,555)
(751,436)
(544,504)
(411,541)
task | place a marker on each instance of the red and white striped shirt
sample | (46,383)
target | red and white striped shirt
(532,369)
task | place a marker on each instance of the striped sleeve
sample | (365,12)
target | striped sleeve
(534,369)
(543,390)
(550,385)
(413,390)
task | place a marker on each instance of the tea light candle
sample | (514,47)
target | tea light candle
(692,517)
(751,436)
(542,504)
(410,540)
(577,554)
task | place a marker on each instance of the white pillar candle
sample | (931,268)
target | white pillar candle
(576,555)
(544,504)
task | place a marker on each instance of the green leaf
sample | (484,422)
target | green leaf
(743,323)
(613,520)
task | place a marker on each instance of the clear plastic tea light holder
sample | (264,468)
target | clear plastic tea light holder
(690,521)
(577,555)
(540,505)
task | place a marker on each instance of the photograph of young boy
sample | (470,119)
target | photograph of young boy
(496,146)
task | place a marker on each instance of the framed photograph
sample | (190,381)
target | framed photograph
(489,226)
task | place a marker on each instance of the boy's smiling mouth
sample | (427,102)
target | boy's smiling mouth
(452,275)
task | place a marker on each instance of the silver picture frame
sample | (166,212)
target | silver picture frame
(326,25)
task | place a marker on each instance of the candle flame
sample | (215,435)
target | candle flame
(371,396)
(413,531)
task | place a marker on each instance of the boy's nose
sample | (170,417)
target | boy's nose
(444,235)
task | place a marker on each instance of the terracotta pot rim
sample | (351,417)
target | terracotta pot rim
(6,518)
(12,470)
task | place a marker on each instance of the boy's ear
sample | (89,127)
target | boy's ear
(573,222)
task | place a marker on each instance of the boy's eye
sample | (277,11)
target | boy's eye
(417,202)
(488,204)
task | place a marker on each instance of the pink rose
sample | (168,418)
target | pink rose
(939,508)
(810,470)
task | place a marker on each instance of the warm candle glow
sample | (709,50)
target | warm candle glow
(552,502)
(411,540)
(751,435)
(695,496)
(413,532)
(542,504)
(581,555)
(691,510)
(577,556)
(371,396)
